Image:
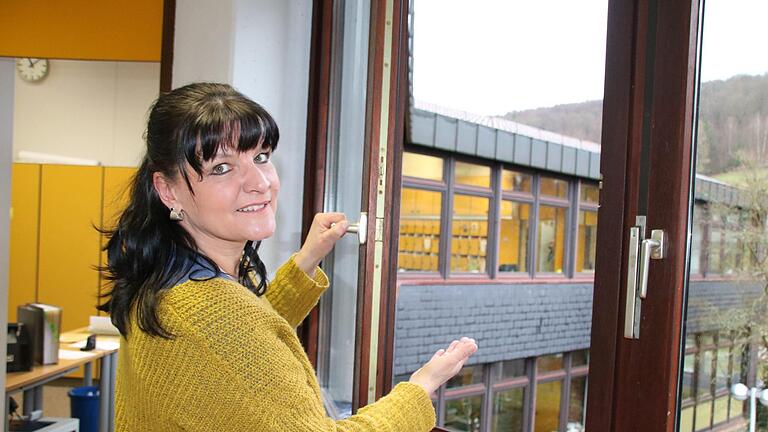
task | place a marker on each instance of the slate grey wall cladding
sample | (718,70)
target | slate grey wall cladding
(517,321)
(508,321)
(707,296)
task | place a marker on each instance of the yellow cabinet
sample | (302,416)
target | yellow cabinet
(70,209)
(25,209)
(117,181)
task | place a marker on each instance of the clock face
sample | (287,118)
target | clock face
(32,69)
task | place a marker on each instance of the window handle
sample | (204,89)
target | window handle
(652,248)
(360,228)
(641,251)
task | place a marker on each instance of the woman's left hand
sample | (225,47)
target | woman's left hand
(320,240)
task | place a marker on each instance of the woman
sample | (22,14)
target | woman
(208,344)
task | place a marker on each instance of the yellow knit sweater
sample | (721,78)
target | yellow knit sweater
(236,364)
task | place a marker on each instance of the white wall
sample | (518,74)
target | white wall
(86,109)
(7,72)
(261,47)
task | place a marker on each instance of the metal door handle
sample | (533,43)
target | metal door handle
(360,228)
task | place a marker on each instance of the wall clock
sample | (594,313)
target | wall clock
(32,69)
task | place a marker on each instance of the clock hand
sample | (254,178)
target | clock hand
(35,62)
(29,60)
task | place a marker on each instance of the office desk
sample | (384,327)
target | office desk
(70,359)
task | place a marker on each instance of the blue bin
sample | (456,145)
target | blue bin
(84,405)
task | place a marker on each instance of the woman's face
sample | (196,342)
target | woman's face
(235,201)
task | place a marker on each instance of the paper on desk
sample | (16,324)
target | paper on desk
(102,325)
(73,355)
(100,345)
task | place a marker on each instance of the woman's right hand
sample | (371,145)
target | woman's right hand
(444,365)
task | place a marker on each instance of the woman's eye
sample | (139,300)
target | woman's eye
(262,158)
(220,169)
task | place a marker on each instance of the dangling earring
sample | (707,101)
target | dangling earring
(177,215)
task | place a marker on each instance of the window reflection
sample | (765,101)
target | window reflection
(422,166)
(580,358)
(512,368)
(587,243)
(473,175)
(589,193)
(513,181)
(508,410)
(551,245)
(554,187)
(468,375)
(576,404)
(547,417)
(419,230)
(549,363)
(470,233)
(513,243)
(464,414)
(714,248)
(696,239)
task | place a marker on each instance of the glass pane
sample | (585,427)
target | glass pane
(688,369)
(508,410)
(729,204)
(551,247)
(547,417)
(686,420)
(470,234)
(549,363)
(554,187)
(419,230)
(513,243)
(587,243)
(513,181)
(589,193)
(474,175)
(512,368)
(576,405)
(731,252)
(468,375)
(703,415)
(714,249)
(338,307)
(580,358)
(737,409)
(493,104)
(463,414)
(721,410)
(706,340)
(704,381)
(721,368)
(696,237)
(422,166)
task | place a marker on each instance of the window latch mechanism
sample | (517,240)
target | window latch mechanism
(641,251)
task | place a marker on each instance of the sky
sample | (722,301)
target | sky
(491,57)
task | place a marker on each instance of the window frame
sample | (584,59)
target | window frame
(423,184)
(587,207)
(478,192)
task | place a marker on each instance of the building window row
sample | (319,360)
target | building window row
(722,242)
(467,217)
(545,393)
(712,364)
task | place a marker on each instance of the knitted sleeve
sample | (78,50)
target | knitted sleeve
(248,372)
(292,293)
